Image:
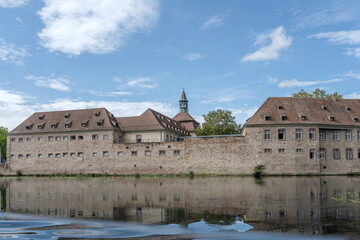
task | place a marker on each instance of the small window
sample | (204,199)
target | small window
(312,154)
(20,156)
(348,109)
(12,156)
(105,136)
(138,138)
(134,153)
(80,154)
(29,126)
(303,118)
(94,154)
(267,118)
(51,138)
(267,135)
(284,118)
(281,134)
(312,134)
(21,140)
(65,138)
(67,116)
(322,134)
(28,155)
(105,153)
(322,153)
(359,136)
(97,114)
(267,150)
(176,152)
(95,137)
(100,123)
(57,138)
(53,126)
(65,155)
(50,155)
(332,119)
(324,108)
(299,150)
(42,117)
(298,134)
(281,107)
(120,153)
(84,124)
(57,155)
(72,154)
(12,139)
(72,138)
(281,150)
(40,139)
(162,152)
(349,154)
(28,139)
(359,153)
(348,135)
(40,155)
(356,120)
(147,153)
(335,135)
(80,138)
(336,153)
(67,125)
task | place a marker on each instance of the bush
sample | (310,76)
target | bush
(18,173)
(137,175)
(258,170)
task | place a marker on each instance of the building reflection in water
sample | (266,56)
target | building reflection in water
(299,205)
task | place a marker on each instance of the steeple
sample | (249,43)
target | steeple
(183,103)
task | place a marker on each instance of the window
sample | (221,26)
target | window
(336,153)
(65,155)
(21,139)
(312,134)
(298,134)
(97,114)
(335,135)
(267,135)
(134,153)
(95,137)
(28,155)
(348,109)
(20,156)
(42,117)
(349,153)
(105,153)
(100,123)
(303,118)
(322,153)
(312,154)
(359,153)
(358,135)
(12,139)
(57,138)
(299,150)
(28,139)
(105,136)
(84,124)
(120,153)
(40,139)
(67,125)
(51,138)
(267,150)
(67,116)
(80,154)
(147,153)
(324,108)
(281,150)
(94,154)
(40,155)
(281,134)
(356,120)
(80,137)
(322,135)
(281,107)
(65,138)
(332,119)
(138,138)
(176,152)
(12,156)
(267,118)
(57,155)
(162,152)
(348,135)
(72,137)
(29,127)
(50,155)
(284,118)
(72,154)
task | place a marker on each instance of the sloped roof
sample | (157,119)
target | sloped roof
(83,119)
(291,110)
(187,120)
(151,120)
(183,97)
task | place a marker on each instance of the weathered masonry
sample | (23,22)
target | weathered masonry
(290,136)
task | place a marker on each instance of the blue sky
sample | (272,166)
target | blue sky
(129,55)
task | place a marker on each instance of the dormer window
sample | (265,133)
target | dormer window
(53,126)
(356,120)
(29,127)
(100,123)
(303,118)
(332,119)
(41,126)
(67,116)
(324,108)
(84,124)
(42,117)
(68,125)
(348,109)
(281,107)
(267,118)
(284,118)
(97,114)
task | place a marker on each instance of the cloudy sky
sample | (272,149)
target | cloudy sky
(129,55)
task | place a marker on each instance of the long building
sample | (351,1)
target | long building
(289,136)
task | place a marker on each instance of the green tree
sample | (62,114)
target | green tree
(3,132)
(317,93)
(219,122)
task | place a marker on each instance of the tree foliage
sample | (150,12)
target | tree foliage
(3,132)
(219,122)
(317,93)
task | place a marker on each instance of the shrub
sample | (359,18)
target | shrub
(258,170)
(18,173)
(137,175)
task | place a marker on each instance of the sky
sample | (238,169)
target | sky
(130,55)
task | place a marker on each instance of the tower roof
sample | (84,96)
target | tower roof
(183,97)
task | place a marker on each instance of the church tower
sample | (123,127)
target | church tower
(183,103)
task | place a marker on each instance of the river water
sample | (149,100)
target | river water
(180,208)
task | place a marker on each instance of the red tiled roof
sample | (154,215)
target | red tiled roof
(188,121)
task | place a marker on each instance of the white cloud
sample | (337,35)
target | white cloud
(219,100)
(57,83)
(354,95)
(110,94)
(19,20)
(279,41)
(296,83)
(213,22)
(241,115)
(13,3)
(192,56)
(143,82)
(342,37)
(353,52)
(273,80)
(11,53)
(98,27)
(352,75)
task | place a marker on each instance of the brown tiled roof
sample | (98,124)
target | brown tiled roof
(291,110)
(71,120)
(188,121)
(151,120)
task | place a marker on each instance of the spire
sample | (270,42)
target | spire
(183,103)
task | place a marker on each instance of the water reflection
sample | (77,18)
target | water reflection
(292,205)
